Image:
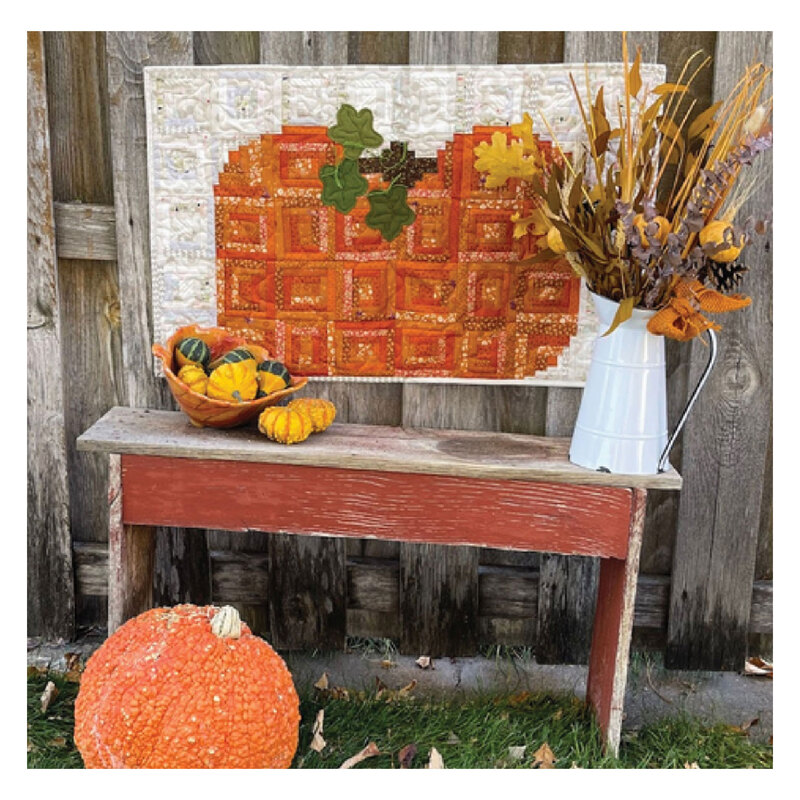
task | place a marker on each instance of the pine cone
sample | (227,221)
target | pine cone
(726,277)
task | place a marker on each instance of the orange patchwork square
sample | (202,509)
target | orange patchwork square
(305,290)
(366,291)
(546,288)
(485,353)
(303,346)
(249,289)
(434,234)
(427,289)
(489,291)
(425,350)
(365,348)
(303,232)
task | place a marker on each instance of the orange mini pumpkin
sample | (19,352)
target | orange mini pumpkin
(183,688)
(321,412)
(285,425)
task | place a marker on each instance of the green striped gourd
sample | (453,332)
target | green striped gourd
(272,377)
(192,351)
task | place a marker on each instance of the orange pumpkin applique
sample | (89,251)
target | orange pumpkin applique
(183,688)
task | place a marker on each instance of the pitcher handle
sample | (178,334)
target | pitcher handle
(712,337)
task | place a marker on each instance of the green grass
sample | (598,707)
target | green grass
(473,733)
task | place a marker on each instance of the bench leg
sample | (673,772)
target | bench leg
(613,625)
(131,556)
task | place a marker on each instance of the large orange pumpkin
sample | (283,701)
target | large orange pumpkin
(186,687)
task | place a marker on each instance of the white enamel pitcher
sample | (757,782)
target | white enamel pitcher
(622,421)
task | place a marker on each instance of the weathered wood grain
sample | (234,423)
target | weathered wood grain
(506,594)
(51,595)
(88,294)
(127,53)
(438,600)
(86,231)
(377,47)
(226,47)
(475,454)
(307,592)
(434,509)
(726,441)
(298,48)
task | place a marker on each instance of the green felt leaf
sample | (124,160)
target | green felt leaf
(389,211)
(342,185)
(354,131)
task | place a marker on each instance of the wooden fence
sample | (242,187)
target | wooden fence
(705,593)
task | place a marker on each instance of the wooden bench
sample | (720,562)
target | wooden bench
(429,486)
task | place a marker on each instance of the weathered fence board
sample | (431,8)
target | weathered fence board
(51,596)
(90,320)
(727,437)
(181,566)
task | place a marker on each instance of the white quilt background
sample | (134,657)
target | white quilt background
(197,115)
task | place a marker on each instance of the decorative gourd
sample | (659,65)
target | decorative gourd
(184,688)
(192,351)
(232,357)
(234,382)
(717,233)
(320,412)
(661,234)
(272,377)
(285,425)
(194,376)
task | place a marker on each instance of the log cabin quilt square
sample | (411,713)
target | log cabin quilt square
(370,223)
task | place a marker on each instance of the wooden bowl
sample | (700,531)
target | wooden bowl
(206,411)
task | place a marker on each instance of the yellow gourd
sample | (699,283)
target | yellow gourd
(235,382)
(285,425)
(555,242)
(194,376)
(716,233)
(320,412)
(663,228)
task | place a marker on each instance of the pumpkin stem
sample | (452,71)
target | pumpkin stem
(226,623)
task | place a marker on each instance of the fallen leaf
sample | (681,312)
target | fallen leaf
(322,683)
(387,664)
(558,714)
(574,765)
(693,765)
(424,662)
(407,689)
(370,750)
(73,662)
(406,756)
(745,726)
(73,676)
(31,746)
(435,761)
(317,742)
(453,739)
(59,741)
(757,666)
(544,758)
(36,672)
(48,695)
(516,753)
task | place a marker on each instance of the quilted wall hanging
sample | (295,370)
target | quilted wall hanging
(357,222)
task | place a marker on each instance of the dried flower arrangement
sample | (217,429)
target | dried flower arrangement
(646,212)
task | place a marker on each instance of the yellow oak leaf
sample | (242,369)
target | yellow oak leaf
(524,130)
(502,161)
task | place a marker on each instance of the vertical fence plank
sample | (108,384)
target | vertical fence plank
(309,607)
(235,47)
(181,560)
(726,440)
(88,294)
(439,586)
(51,593)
